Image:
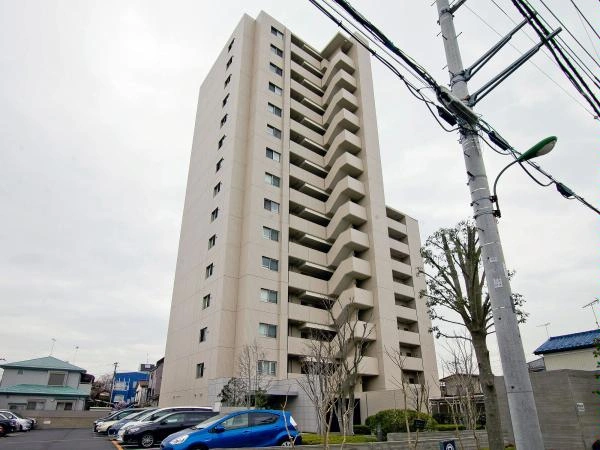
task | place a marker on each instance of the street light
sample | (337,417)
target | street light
(541,148)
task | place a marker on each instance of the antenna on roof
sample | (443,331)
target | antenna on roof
(546,326)
(54,341)
(591,306)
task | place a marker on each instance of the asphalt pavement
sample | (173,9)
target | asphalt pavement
(58,439)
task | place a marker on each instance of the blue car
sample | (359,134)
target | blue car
(250,428)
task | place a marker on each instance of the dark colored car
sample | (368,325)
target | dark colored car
(6,426)
(149,434)
(117,429)
(255,428)
(115,415)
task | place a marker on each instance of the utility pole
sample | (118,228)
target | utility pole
(521,402)
(112,386)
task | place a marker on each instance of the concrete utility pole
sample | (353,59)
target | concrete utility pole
(112,386)
(521,403)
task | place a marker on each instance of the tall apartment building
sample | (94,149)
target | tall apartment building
(285,213)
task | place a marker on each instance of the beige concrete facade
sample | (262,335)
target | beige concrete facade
(285,202)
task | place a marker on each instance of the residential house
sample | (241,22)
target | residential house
(570,351)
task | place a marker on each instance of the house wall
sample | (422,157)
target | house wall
(576,359)
(12,377)
(19,402)
(557,395)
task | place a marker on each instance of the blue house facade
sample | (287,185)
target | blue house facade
(125,386)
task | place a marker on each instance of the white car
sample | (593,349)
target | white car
(22,423)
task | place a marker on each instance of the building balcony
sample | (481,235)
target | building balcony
(302,54)
(341,80)
(340,61)
(303,91)
(300,225)
(299,111)
(307,314)
(399,249)
(352,297)
(346,244)
(342,143)
(302,72)
(307,201)
(408,337)
(347,189)
(307,254)
(341,100)
(396,230)
(300,153)
(348,214)
(412,364)
(303,282)
(368,366)
(298,346)
(406,314)
(346,273)
(306,176)
(343,120)
(303,130)
(347,164)
(400,269)
(404,290)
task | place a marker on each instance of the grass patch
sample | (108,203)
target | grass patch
(335,438)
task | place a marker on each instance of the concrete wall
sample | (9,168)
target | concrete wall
(557,395)
(65,419)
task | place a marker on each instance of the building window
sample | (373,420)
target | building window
(272,154)
(225,100)
(271,234)
(267,330)
(223,120)
(203,334)
(268,296)
(20,372)
(274,88)
(230,46)
(200,370)
(275,69)
(206,301)
(267,367)
(275,132)
(276,51)
(221,141)
(276,32)
(270,263)
(272,180)
(212,241)
(274,109)
(229,63)
(57,378)
(219,164)
(227,80)
(214,214)
(272,206)
(217,188)
(209,270)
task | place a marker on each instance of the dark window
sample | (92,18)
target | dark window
(200,370)
(275,69)
(214,214)
(230,45)
(57,379)
(261,418)
(270,263)
(219,164)
(271,234)
(237,421)
(275,132)
(268,295)
(223,120)
(209,270)
(273,180)
(267,330)
(203,334)
(212,241)
(206,301)
(217,188)
(227,80)
(274,88)
(267,368)
(277,51)
(225,100)
(229,63)
(272,154)
(274,109)
(270,205)
(221,142)
(276,32)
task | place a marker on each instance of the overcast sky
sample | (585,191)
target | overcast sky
(97,106)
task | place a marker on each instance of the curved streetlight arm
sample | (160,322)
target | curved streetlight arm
(494,198)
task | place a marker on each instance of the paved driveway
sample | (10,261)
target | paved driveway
(57,439)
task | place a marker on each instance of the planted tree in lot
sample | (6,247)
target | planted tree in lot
(456,282)
(255,380)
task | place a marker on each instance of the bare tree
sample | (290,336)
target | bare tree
(255,380)
(321,379)
(462,366)
(456,281)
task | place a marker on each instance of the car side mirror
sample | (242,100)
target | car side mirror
(164,422)
(218,429)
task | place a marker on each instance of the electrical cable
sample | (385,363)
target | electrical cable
(585,18)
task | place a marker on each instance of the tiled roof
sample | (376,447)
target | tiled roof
(40,389)
(585,339)
(45,363)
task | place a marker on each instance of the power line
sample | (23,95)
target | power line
(585,18)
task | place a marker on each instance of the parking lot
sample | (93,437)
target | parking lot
(59,439)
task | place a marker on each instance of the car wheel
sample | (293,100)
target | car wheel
(286,443)
(2,431)
(147,440)
(199,447)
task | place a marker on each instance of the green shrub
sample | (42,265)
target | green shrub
(393,421)
(449,427)
(362,429)
(335,438)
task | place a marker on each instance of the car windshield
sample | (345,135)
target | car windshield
(14,413)
(209,422)
(135,415)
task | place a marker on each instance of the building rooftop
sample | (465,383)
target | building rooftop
(37,389)
(566,342)
(45,363)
